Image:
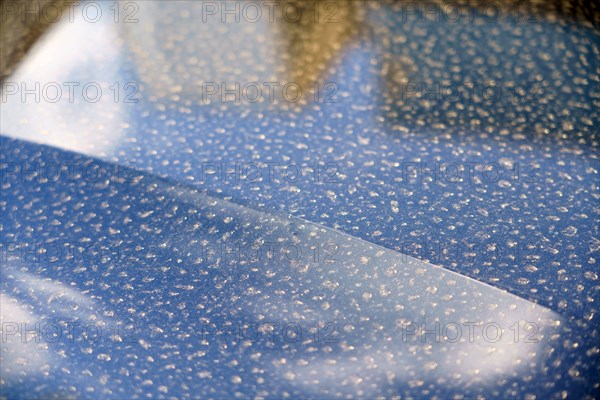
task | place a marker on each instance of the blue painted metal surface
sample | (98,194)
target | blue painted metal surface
(192,228)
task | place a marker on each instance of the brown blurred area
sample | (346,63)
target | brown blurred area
(313,43)
(22,22)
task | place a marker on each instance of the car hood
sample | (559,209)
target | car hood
(353,231)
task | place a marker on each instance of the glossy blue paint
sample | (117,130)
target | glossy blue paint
(368,169)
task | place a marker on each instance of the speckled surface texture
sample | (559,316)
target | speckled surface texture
(528,226)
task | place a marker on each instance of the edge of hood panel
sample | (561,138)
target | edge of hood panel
(189,275)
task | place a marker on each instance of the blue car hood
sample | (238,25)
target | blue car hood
(376,236)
